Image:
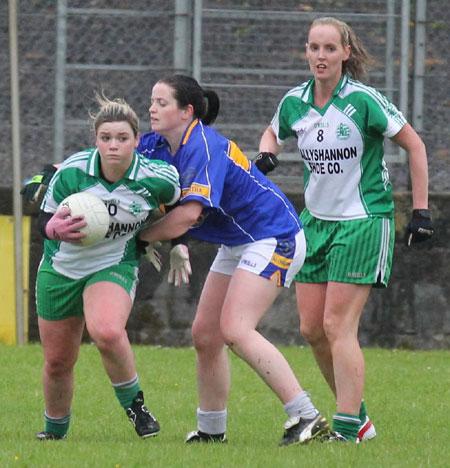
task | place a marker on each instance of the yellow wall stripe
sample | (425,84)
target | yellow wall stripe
(8,325)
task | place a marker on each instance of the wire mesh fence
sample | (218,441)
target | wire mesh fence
(250,52)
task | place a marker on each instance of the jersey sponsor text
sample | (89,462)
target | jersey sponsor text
(329,154)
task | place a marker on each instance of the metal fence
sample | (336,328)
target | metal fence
(250,52)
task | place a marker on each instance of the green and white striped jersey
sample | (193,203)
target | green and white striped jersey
(342,146)
(146,185)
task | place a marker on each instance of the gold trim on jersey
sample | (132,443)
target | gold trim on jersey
(276,275)
(238,156)
(196,189)
(280,261)
(189,131)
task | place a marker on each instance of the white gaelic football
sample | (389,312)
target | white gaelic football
(95,214)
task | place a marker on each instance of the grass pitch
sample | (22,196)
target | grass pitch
(407,396)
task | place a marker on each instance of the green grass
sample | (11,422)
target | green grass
(407,395)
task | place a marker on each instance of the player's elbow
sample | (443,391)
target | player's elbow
(191,211)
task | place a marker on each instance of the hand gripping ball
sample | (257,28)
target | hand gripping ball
(95,214)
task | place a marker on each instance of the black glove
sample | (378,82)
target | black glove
(32,188)
(141,246)
(266,162)
(420,227)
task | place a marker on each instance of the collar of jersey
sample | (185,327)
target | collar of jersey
(188,131)
(309,95)
(93,165)
(186,135)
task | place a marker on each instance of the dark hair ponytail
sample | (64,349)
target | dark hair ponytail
(212,109)
(187,91)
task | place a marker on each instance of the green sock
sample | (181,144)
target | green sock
(57,426)
(347,425)
(126,391)
(362,412)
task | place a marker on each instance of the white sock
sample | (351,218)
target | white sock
(128,384)
(302,406)
(212,422)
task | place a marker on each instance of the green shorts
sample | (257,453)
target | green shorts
(356,251)
(59,297)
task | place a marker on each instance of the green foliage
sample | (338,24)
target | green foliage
(407,396)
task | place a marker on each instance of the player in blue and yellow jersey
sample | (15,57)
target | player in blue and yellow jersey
(340,125)
(225,199)
(240,204)
(95,285)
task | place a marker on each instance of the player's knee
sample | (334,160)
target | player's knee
(233,336)
(333,329)
(106,338)
(58,366)
(206,340)
(313,334)
(208,344)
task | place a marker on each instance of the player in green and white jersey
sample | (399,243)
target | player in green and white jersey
(342,147)
(340,125)
(146,185)
(95,285)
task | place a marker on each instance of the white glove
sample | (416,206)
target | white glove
(153,256)
(180,267)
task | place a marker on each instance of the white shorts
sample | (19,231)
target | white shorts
(270,258)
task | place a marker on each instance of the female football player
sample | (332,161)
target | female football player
(96,285)
(340,124)
(226,200)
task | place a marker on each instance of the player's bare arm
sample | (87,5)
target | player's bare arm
(410,141)
(174,224)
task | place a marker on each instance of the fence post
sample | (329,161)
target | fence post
(60,81)
(404,58)
(17,179)
(182,46)
(419,64)
(404,64)
(390,43)
(197,46)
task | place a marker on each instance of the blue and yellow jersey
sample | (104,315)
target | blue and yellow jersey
(240,204)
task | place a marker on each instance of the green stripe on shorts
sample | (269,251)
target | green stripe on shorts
(356,251)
